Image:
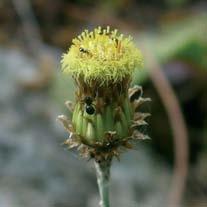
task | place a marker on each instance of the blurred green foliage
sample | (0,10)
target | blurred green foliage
(185,40)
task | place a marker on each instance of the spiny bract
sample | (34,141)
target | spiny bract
(102,55)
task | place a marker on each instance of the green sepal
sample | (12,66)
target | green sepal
(118,128)
(90,133)
(79,121)
(109,119)
(84,126)
(75,113)
(99,127)
(124,124)
(127,110)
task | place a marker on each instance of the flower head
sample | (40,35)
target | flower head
(102,55)
(104,115)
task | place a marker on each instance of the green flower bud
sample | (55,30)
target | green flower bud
(101,63)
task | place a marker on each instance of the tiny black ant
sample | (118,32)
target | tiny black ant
(90,109)
(89,106)
(81,49)
(88,100)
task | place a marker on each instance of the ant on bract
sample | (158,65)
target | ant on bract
(89,107)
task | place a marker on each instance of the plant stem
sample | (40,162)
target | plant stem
(103,177)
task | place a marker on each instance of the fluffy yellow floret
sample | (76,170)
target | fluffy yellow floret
(102,55)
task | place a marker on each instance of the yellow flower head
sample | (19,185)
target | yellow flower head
(102,55)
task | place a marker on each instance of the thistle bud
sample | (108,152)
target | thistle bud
(101,63)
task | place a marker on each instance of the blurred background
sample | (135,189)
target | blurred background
(37,170)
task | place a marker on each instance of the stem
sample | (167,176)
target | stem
(178,125)
(103,176)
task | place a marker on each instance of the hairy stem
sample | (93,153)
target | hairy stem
(103,179)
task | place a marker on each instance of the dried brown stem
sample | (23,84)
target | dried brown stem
(178,125)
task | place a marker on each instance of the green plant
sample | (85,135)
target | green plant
(105,115)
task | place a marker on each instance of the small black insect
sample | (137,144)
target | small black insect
(88,105)
(88,100)
(90,109)
(81,49)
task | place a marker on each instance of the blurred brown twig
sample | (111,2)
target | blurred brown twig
(178,125)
